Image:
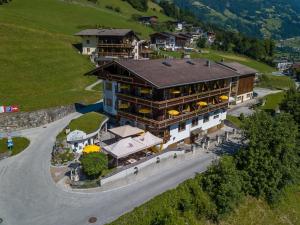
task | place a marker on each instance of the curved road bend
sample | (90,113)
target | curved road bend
(28,195)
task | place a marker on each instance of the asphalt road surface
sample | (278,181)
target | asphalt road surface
(28,195)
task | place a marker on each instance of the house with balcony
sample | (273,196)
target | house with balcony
(176,100)
(108,44)
(169,41)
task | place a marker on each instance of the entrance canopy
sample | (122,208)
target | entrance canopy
(126,131)
(128,146)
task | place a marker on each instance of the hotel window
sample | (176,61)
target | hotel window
(248,95)
(195,122)
(88,41)
(181,126)
(108,102)
(206,118)
(216,116)
(108,86)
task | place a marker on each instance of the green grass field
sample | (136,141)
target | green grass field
(218,56)
(20,144)
(273,100)
(88,123)
(40,68)
(276,82)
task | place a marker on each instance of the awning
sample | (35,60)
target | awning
(126,131)
(128,146)
(91,148)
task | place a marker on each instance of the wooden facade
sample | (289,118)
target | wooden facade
(245,84)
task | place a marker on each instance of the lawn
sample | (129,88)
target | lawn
(20,144)
(276,82)
(68,17)
(89,123)
(218,56)
(40,68)
(273,100)
(234,120)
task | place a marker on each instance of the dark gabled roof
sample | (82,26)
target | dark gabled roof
(104,32)
(239,68)
(163,74)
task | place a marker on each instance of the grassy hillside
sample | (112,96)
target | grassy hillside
(257,212)
(39,66)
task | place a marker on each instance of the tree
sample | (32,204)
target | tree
(223,184)
(201,42)
(291,104)
(269,160)
(94,163)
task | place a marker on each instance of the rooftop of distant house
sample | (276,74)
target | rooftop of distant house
(163,73)
(104,32)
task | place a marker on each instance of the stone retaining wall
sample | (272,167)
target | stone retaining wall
(23,120)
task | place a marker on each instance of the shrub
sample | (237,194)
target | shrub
(94,163)
(223,184)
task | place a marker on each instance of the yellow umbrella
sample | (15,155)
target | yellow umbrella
(145,91)
(202,103)
(145,110)
(224,97)
(91,148)
(173,112)
(123,106)
(175,92)
(124,86)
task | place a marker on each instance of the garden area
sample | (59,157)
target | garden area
(87,123)
(19,144)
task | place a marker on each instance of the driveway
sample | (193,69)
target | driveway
(28,195)
(237,110)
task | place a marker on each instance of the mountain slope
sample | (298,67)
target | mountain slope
(40,68)
(275,18)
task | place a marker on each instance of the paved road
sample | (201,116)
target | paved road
(28,196)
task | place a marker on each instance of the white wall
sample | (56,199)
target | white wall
(110,94)
(92,45)
(244,97)
(177,136)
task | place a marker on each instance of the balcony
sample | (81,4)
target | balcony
(113,45)
(176,119)
(118,54)
(174,101)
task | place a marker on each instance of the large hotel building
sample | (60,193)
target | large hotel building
(176,100)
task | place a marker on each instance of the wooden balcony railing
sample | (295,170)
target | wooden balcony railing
(175,119)
(112,45)
(119,54)
(174,101)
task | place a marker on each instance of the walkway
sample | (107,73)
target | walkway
(90,87)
